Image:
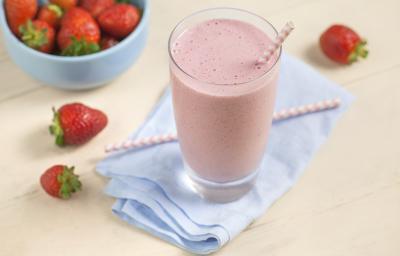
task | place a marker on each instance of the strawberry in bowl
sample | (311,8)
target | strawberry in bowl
(63,43)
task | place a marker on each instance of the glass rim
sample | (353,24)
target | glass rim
(215,9)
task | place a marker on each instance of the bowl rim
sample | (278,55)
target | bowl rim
(6,29)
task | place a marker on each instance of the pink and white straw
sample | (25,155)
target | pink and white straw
(138,143)
(276,43)
(277,116)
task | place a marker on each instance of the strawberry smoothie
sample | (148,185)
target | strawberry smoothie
(223,100)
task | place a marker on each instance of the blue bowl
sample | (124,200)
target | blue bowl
(82,72)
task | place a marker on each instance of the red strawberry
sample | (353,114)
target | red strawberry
(51,14)
(107,42)
(74,14)
(95,7)
(75,124)
(65,4)
(18,12)
(60,181)
(119,20)
(79,33)
(342,44)
(38,35)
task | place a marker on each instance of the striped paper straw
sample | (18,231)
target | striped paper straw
(276,43)
(277,116)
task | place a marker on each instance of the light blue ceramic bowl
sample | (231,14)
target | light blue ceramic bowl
(81,72)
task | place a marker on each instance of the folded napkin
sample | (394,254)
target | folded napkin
(149,183)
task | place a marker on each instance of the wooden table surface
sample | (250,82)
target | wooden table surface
(346,203)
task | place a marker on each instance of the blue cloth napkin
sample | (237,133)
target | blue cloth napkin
(149,183)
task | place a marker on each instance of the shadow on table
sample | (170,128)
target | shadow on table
(37,143)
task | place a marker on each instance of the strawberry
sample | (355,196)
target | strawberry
(119,20)
(65,4)
(79,33)
(75,124)
(342,44)
(95,7)
(73,15)
(107,42)
(18,12)
(51,14)
(60,181)
(38,35)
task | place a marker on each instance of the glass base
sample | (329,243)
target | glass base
(221,192)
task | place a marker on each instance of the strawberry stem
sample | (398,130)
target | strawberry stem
(69,182)
(56,9)
(359,51)
(33,37)
(56,129)
(79,47)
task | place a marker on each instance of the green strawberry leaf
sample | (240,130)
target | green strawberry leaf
(56,9)
(79,47)
(69,182)
(33,37)
(56,129)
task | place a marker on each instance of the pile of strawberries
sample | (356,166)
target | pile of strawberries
(69,28)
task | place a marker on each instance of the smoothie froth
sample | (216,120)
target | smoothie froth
(222,52)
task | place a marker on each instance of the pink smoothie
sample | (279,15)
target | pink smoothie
(223,101)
